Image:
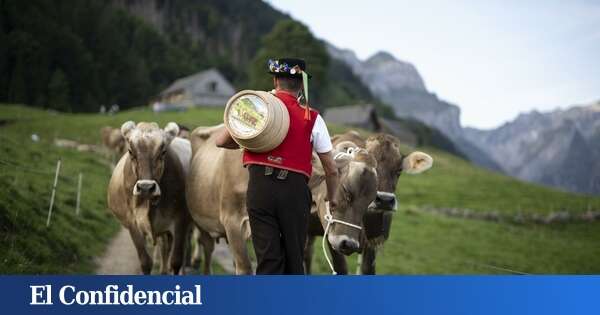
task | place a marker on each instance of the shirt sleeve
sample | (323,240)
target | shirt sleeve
(320,136)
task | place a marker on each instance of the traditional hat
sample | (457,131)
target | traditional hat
(287,67)
(292,68)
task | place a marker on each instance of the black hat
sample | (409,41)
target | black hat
(287,67)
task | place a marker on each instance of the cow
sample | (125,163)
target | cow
(356,191)
(113,140)
(390,164)
(145,192)
(216,189)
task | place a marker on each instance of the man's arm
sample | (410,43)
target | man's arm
(323,147)
(224,140)
(331,177)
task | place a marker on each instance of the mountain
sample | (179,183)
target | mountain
(399,84)
(77,56)
(227,33)
(558,148)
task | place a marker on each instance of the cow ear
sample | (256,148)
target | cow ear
(344,146)
(416,162)
(341,159)
(171,131)
(126,128)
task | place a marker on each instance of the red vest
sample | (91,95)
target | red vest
(295,152)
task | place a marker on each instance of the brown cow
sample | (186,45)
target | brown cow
(146,192)
(113,140)
(217,184)
(390,164)
(357,190)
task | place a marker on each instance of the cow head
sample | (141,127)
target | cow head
(357,189)
(147,146)
(390,164)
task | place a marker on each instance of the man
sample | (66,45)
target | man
(278,198)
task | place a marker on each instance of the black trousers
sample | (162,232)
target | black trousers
(278,210)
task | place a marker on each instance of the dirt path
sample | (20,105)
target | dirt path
(120,257)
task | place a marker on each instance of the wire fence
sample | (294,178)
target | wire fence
(58,178)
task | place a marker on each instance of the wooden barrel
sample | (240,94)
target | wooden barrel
(257,120)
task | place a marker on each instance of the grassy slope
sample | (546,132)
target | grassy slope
(420,242)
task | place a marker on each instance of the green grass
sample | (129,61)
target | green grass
(425,243)
(26,177)
(420,242)
(454,182)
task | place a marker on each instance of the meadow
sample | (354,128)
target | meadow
(420,242)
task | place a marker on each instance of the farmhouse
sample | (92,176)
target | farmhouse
(365,117)
(206,88)
(361,116)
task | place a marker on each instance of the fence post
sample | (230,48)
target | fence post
(53,192)
(78,193)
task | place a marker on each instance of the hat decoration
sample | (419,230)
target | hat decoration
(283,68)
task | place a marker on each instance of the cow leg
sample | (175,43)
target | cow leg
(368,262)
(308,254)
(164,246)
(209,245)
(140,245)
(238,247)
(196,253)
(180,234)
(339,261)
(157,252)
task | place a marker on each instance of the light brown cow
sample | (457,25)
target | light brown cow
(390,164)
(146,192)
(216,190)
(356,191)
(113,140)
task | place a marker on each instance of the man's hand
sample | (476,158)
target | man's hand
(224,140)
(331,178)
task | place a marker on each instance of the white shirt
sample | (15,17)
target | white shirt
(320,136)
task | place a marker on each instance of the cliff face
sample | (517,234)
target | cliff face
(220,30)
(399,84)
(558,148)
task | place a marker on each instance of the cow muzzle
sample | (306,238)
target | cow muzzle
(384,201)
(146,187)
(343,244)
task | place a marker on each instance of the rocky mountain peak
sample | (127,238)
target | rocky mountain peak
(381,56)
(382,72)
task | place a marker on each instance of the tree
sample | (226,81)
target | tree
(290,38)
(58,91)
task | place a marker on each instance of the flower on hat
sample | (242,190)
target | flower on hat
(275,66)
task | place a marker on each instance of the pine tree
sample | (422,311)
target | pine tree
(290,39)
(16,91)
(58,91)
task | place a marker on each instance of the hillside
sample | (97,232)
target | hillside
(557,148)
(421,242)
(75,57)
(399,84)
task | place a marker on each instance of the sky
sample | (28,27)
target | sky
(494,59)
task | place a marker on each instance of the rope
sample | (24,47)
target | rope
(500,268)
(328,217)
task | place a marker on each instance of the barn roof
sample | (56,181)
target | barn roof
(188,81)
(350,115)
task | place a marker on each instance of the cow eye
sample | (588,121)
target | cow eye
(131,153)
